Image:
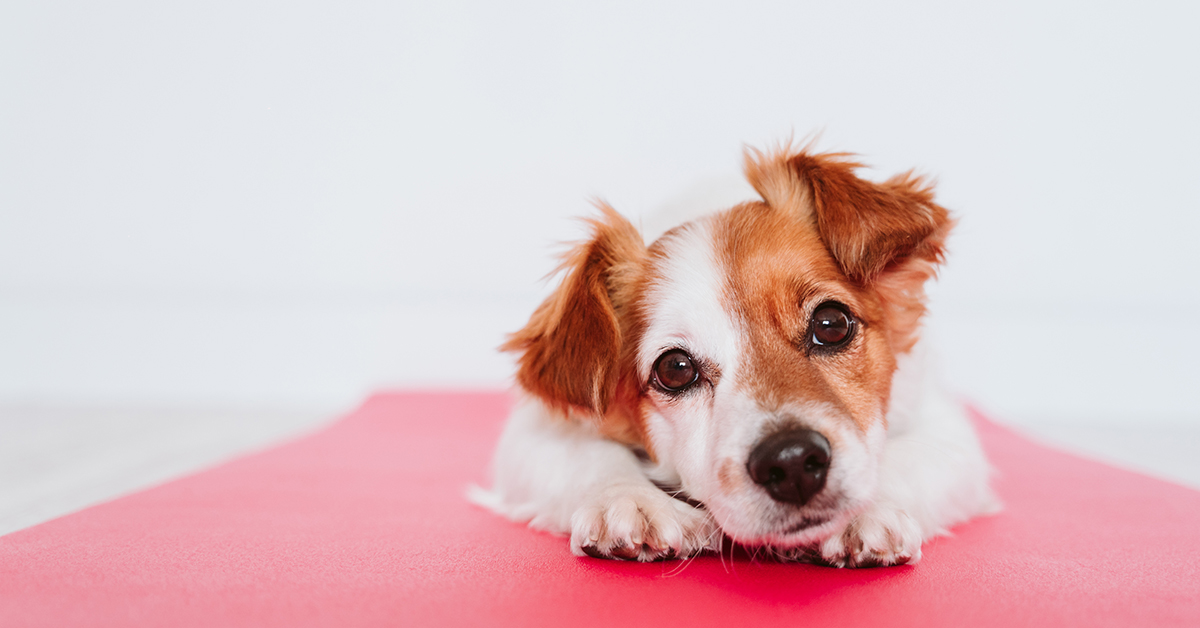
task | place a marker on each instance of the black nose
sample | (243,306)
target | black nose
(791,465)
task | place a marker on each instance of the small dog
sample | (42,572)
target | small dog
(753,374)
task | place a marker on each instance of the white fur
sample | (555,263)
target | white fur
(885,493)
(932,475)
(696,434)
(688,315)
(563,477)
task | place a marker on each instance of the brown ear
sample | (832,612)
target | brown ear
(571,345)
(889,236)
(867,225)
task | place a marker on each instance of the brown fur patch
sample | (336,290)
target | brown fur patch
(866,225)
(729,474)
(778,271)
(573,342)
(825,234)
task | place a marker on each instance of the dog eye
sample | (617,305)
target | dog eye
(675,371)
(832,325)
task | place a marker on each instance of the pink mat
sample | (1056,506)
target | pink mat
(364,524)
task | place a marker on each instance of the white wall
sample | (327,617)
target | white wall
(295,203)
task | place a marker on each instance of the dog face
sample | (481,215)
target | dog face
(751,352)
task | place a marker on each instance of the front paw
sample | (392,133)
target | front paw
(640,523)
(879,537)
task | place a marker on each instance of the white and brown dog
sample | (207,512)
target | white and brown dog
(754,374)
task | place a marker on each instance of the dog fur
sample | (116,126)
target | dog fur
(599,449)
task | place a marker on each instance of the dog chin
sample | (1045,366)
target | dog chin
(798,533)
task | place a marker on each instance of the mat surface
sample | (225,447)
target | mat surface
(364,524)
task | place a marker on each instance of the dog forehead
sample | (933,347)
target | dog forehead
(686,303)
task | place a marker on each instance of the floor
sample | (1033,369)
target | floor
(1169,452)
(58,459)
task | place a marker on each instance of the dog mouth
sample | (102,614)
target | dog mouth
(804,525)
(678,493)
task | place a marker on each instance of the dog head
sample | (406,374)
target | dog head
(750,353)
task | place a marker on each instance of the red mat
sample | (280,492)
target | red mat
(364,524)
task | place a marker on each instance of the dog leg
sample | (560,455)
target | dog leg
(933,475)
(563,477)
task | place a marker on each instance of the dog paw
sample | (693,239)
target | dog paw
(640,523)
(879,537)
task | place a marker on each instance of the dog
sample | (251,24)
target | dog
(753,375)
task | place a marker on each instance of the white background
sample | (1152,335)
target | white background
(294,203)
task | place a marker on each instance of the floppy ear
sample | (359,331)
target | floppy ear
(887,236)
(868,226)
(571,346)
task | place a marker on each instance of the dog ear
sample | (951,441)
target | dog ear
(887,236)
(572,344)
(868,226)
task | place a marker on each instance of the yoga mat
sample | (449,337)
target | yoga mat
(365,524)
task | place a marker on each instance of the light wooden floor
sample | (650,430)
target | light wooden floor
(1170,452)
(56,460)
